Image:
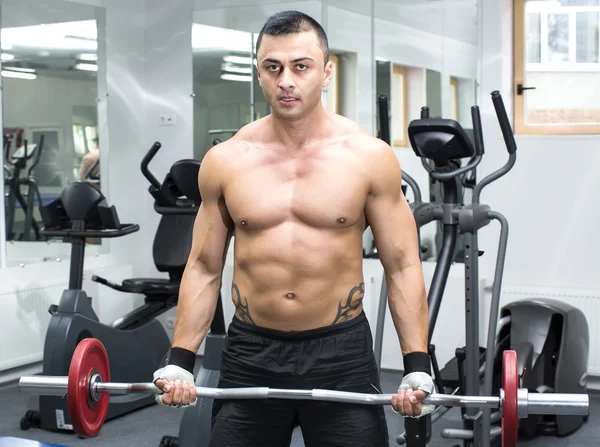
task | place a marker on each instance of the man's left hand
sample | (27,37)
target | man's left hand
(414,389)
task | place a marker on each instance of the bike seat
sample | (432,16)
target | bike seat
(151,286)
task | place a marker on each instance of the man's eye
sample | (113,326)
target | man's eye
(272,68)
(301,67)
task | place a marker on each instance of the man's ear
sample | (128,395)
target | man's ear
(328,74)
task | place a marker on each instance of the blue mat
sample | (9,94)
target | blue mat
(20,442)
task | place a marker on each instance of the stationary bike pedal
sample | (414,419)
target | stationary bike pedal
(169,441)
(53,309)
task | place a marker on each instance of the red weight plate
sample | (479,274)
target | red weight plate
(87,415)
(510,385)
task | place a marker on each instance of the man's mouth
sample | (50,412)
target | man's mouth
(287,99)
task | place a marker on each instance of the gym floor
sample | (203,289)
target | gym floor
(146,427)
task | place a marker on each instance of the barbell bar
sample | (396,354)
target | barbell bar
(88,388)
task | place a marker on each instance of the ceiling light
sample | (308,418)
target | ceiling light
(88,57)
(238,60)
(230,68)
(238,78)
(18,75)
(7,57)
(79,35)
(86,67)
(22,70)
(206,37)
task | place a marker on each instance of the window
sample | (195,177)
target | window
(398,106)
(557,66)
(453,98)
(91,137)
(78,139)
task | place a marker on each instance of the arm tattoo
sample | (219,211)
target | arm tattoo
(241,306)
(350,304)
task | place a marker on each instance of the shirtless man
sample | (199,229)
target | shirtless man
(298,188)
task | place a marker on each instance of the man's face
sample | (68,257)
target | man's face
(292,73)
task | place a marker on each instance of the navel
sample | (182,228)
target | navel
(290,296)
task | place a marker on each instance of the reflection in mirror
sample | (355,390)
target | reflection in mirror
(463,95)
(223,76)
(49,99)
(425,55)
(382,86)
(433,92)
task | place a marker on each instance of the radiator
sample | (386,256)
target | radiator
(25,307)
(26,320)
(588,301)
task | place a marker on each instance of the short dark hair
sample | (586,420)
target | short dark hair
(293,22)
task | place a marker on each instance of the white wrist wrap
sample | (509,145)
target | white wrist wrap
(419,381)
(171,373)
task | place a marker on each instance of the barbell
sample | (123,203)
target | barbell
(88,394)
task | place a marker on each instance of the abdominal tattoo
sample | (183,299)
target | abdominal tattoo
(347,306)
(241,305)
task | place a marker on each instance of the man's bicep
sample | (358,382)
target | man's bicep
(390,216)
(213,227)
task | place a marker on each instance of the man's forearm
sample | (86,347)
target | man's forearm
(196,307)
(408,306)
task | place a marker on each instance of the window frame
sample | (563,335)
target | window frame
(399,70)
(454,114)
(519,65)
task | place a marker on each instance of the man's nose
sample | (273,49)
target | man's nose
(286,80)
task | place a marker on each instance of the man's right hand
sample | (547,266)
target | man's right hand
(177,384)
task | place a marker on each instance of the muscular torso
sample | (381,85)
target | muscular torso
(299,219)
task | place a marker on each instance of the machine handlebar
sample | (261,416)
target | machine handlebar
(384,119)
(146,161)
(509,138)
(38,155)
(477,130)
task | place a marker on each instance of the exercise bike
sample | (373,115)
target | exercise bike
(82,212)
(75,217)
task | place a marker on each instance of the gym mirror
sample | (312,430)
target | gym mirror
(51,69)
(227,95)
(425,55)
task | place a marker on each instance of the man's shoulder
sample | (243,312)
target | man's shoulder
(356,138)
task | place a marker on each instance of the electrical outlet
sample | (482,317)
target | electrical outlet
(166,120)
(171,323)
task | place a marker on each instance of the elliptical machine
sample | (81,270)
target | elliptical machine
(441,144)
(13,182)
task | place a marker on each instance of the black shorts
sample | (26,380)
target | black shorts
(338,357)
